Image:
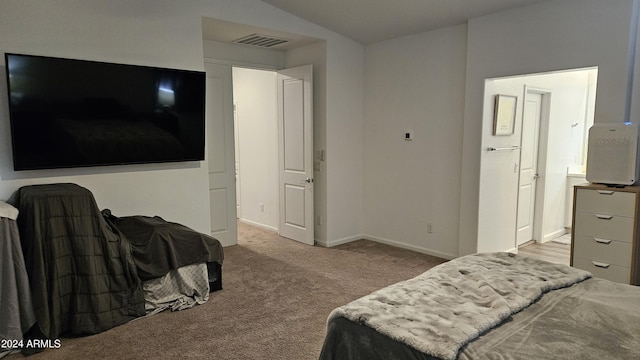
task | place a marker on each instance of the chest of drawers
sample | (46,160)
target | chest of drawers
(605,232)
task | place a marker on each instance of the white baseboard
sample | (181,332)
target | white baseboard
(512,250)
(553,235)
(257,224)
(410,247)
(223,243)
(394,243)
(337,242)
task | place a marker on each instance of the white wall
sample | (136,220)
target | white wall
(498,204)
(375,183)
(255,96)
(547,36)
(414,83)
(344,143)
(116,31)
(168,34)
(434,83)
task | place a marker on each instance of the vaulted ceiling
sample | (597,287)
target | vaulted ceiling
(364,21)
(369,21)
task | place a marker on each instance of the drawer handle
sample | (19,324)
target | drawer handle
(602,241)
(604,217)
(600,265)
(605,192)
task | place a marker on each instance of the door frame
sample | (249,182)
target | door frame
(236,145)
(222,186)
(543,143)
(529,171)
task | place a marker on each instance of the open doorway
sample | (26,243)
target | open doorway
(273,118)
(223,50)
(565,104)
(256,146)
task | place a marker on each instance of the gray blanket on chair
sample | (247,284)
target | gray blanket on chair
(82,276)
(444,308)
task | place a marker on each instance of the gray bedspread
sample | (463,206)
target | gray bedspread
(592,320)
(595,319)
(444,308)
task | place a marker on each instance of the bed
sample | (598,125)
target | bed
(490,306)
(86,274)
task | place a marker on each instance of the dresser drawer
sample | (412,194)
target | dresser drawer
(606,201)
(603,250)
(615,273)
(610,227)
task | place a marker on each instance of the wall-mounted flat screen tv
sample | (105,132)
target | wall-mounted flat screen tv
(74,113)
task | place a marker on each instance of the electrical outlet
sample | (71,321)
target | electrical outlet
(429,228)
(261,207)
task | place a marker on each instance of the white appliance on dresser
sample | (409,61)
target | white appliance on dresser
(612,156)
(605,232)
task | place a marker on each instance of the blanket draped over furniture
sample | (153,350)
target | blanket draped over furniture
(16,310)
(82,275)
(179,289)
(90,271)
(493,304)
(159,246)
(178,265)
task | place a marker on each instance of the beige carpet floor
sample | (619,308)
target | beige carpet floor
(276,298)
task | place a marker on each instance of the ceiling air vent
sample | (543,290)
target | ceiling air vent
(260,40)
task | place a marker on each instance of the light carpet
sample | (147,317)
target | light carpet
(275,302)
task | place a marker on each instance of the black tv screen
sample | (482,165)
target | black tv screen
(73,113)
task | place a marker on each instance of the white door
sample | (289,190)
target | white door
(220,153)
(236,132)
(295,131)
(528,167)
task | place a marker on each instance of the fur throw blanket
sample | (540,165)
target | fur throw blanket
(451,304)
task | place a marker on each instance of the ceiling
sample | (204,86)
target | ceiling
(369,21)
(365,21)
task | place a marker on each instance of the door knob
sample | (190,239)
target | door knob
(309,180)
